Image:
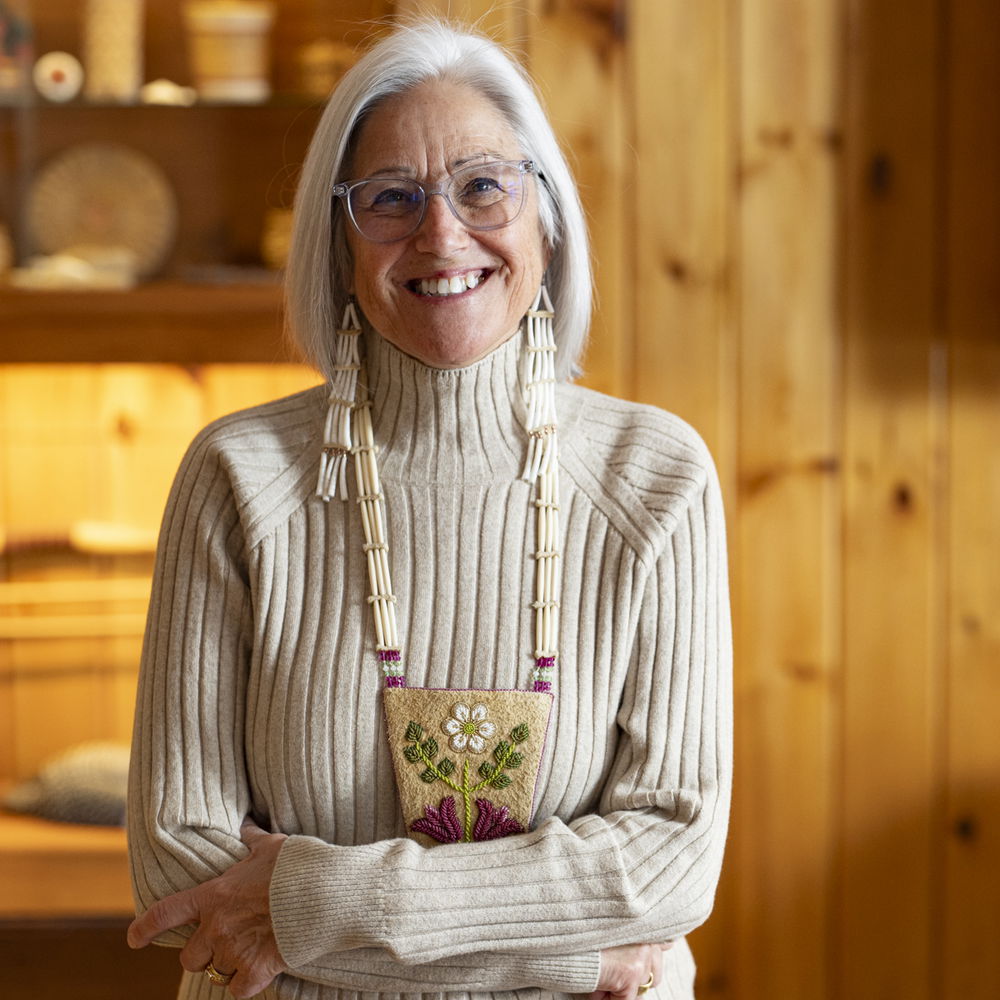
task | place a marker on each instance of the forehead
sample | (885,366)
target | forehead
(433,127)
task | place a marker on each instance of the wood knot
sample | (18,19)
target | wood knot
(966,828)
(677,269)
(902,498)
(779,138)
(125,427)
(880,175)
(971,625)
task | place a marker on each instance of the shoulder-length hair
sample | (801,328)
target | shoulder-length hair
(318,276)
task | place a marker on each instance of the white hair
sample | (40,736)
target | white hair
(318,277)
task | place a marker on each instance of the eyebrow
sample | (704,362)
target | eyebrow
(398,170)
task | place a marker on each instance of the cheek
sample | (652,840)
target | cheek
(368,284)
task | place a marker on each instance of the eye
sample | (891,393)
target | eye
(392,197)
(482,185)
(385,197)
(482,189)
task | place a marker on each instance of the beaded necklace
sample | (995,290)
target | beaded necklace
(471,719)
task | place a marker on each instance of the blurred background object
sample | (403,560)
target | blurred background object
(113,47)
(16,52)
(229,42)
(58,76)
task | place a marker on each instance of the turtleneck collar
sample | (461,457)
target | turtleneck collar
(449,425)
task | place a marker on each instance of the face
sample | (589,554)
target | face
(427,133)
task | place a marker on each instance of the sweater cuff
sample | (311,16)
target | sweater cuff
(567,973)
(324,899)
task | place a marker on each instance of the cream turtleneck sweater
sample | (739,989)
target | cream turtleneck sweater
(260,690)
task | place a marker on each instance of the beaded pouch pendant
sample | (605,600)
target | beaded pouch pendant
(466,762)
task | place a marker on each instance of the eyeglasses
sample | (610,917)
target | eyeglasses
(481,196)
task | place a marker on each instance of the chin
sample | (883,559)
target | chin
(451,355)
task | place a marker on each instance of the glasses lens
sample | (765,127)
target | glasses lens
(482,196)
(487,195)
(386,209)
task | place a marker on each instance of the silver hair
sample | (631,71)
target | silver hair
(318,276)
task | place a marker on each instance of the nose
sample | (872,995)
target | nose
(440,232)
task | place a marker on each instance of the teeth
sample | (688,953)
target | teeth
(448,286)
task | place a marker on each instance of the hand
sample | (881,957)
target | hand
(625,968)
(232,912)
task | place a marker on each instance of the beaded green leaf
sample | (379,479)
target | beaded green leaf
(501,781)
(412,753)
(502,749)
(429,776)
(431,747)
(414,733)
(520,733)
(486,769)
(446,767)
(515,760)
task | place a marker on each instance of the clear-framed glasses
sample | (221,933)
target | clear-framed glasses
(481,196)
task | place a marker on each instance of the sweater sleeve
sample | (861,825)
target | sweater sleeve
(189,791)
(188,788)
(643,868)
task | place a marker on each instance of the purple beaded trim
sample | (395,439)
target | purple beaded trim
(545,661)
(542,686)
(387,656)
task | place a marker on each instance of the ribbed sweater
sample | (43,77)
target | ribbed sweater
(259,690)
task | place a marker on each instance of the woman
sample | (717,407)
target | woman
(587,583)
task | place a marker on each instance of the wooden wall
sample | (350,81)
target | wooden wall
(796,219)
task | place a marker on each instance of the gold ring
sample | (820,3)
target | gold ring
(219,978)
(646,985)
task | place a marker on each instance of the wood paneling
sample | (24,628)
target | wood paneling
(680,206)
(796,222)
(787,579)
(970,823)
(893,411)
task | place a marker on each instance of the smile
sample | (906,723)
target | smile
(455,285)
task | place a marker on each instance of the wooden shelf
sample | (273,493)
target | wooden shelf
(62,869)
(170,322)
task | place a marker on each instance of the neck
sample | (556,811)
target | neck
(446,424)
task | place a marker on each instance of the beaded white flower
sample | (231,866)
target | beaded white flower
(468,728)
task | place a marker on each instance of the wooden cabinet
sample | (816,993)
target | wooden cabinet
(232,168)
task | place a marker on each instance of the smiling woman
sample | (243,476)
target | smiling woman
(447,293)
(514,773)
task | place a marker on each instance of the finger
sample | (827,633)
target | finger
(252,980)
(250,831)
(197,953)
(173,911)
(657,966)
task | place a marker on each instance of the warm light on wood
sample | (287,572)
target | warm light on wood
(796,225)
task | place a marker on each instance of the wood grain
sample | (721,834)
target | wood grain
(971,825)
(787,519)
(796,225)
(893,407)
